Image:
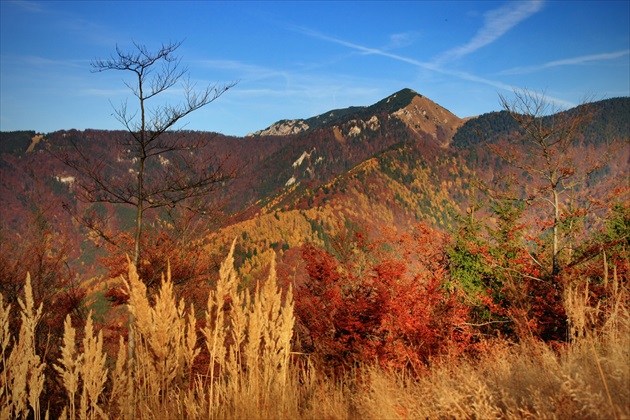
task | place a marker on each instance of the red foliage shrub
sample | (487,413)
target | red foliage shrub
(391,308)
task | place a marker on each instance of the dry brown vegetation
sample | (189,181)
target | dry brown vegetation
(236,362)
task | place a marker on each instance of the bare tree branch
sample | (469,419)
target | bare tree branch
(544,154)
(158,167)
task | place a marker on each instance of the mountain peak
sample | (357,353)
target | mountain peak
(423,116)
(419,113)
(397,100)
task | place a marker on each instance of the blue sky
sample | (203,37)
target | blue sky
(302,58)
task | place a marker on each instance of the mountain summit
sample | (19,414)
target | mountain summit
(418,112)
(422,115)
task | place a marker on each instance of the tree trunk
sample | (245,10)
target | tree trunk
(555,269)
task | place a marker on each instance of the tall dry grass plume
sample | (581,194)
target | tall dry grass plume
(69,367)
(216,329)
(5,340)
(83,371)
(165,349)
(247,339)
(22,378)
(93,372)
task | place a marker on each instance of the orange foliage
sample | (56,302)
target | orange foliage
(370,302)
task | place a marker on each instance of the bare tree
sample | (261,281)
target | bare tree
(547,155)
(166,166)
(157,165)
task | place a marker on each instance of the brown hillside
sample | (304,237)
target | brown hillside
(425,116)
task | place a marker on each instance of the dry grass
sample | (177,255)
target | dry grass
(589,379)
(22,378)
(247,341)
(251,373)
(523,381)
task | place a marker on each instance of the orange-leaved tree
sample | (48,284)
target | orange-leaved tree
(379,300)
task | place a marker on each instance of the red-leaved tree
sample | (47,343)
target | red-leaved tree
(387,305)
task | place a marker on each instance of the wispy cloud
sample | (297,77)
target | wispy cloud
(408,60)
(104,92)
(432,66)
(48,63)
(243,71)
(364,49)
(401,39)
(496,23)
(30,6)
(286,84)
(584,59)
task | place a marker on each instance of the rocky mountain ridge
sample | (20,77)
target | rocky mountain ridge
(418,112)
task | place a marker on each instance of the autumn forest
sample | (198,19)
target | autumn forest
(388,261)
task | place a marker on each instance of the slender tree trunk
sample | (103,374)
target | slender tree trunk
(140,192)
(555,269)
(136,241)
(136,254)
(139,214)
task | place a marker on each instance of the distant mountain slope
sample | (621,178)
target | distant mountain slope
(16,142)
(610,118)
(486,127)
(411,182)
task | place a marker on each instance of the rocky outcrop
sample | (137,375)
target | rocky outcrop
(282,128)
(36,139)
